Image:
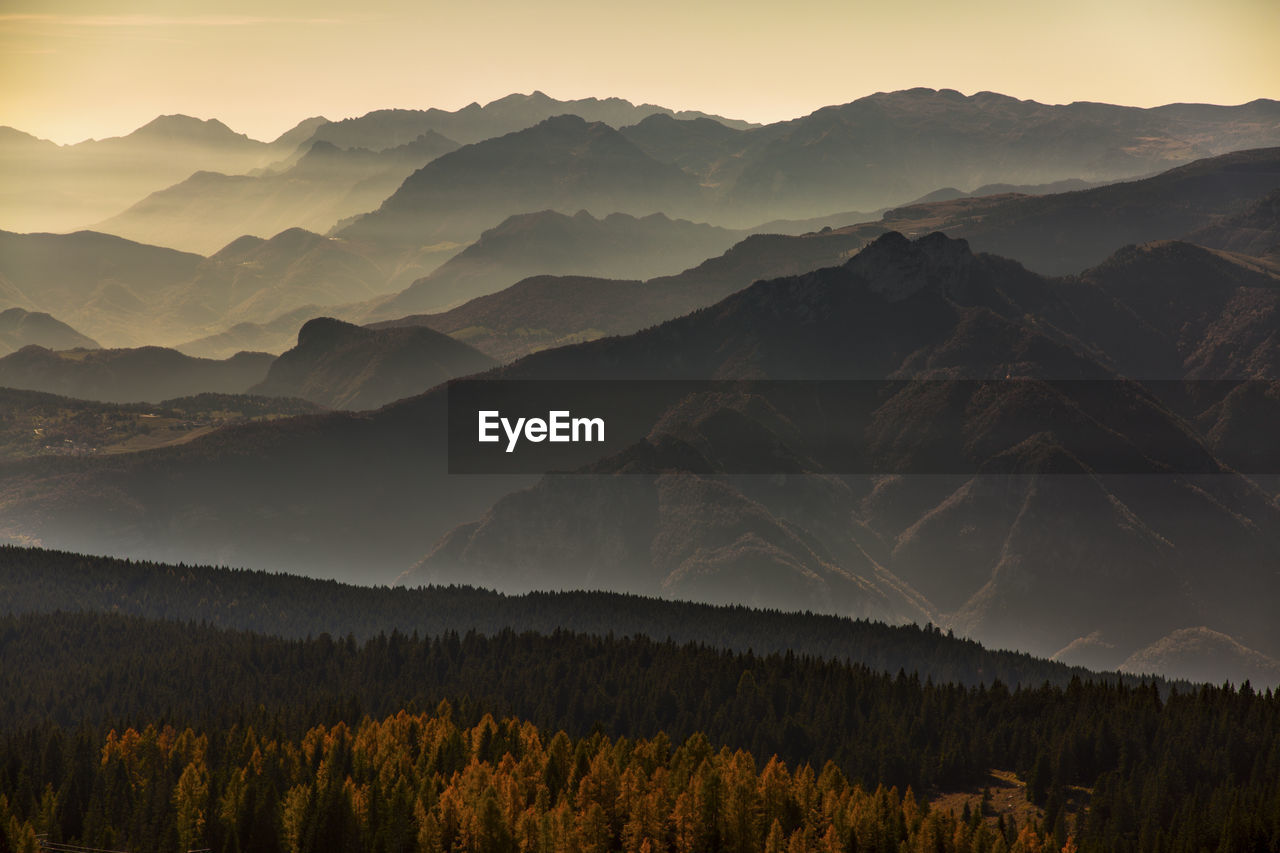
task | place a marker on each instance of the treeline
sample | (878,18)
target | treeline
(1187,771)
(33,580)
(419,782)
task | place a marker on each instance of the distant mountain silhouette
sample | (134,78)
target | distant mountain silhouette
(898,145)
(551,243)
(19,328)
(383,129)
(563,163)
(60,188)
(343,366)
(128,375)
(326,184)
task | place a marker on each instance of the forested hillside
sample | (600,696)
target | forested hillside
(33,580)
(124,733)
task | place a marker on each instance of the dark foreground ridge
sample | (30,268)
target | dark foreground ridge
(34,580)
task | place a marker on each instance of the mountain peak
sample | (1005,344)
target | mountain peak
(188,127)
(897,268)
(322,331)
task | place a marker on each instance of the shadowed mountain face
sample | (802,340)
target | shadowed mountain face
(128,375)
(1042,548)
(209,209)
(547,311)
(343,366)
(551,243)
(1068,232)
(563,163)
(20,328)
(1037,557)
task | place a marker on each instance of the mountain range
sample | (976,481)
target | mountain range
(874,152)
(1045,546)
(1040,414)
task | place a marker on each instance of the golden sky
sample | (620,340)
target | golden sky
(74,69)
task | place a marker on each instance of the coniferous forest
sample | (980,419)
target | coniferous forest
(125,733)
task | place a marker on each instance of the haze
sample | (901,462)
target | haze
(75,69)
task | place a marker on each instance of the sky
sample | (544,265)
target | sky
(77,69)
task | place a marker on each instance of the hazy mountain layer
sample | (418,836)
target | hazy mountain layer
(275,336)
(563,163)
(547,311)
(47,187)
(122,292)
(551,243)
(209,209)
(101,284)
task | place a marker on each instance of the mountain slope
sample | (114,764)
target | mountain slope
(993,553)
(343,366)
(95,282)
(1068,232)
(1254,232)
